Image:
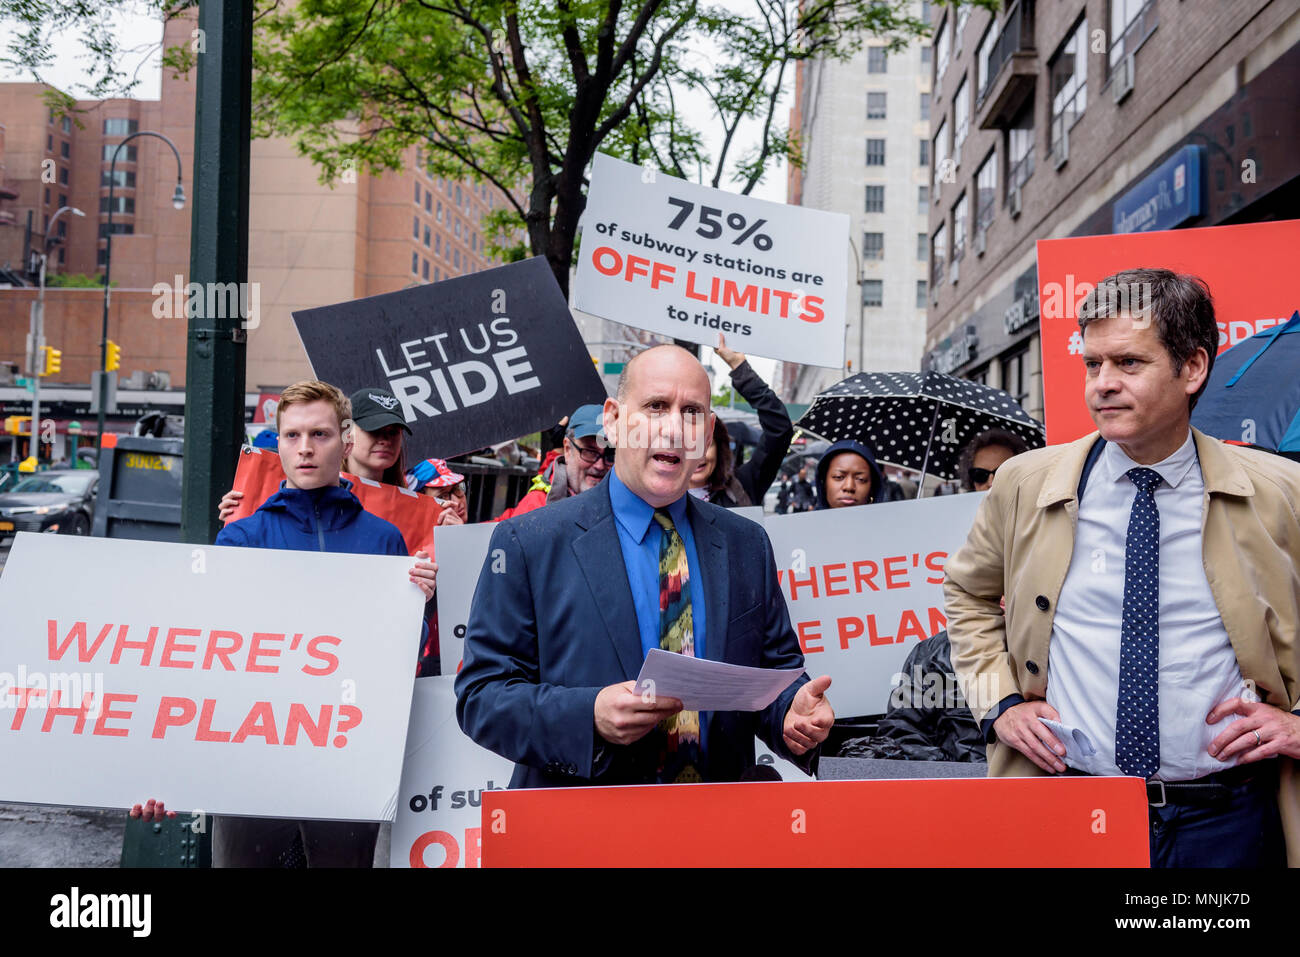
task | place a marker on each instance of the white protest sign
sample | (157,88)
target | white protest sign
(688,261)
(443,780)
(864,585)
(460,550)
(226,680)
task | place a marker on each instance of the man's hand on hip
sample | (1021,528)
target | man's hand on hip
(1262,731)
(625,715)
(810,717)
(1020,728)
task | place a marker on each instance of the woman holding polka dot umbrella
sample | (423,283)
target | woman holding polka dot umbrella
(916,420)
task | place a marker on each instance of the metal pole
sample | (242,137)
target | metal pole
(215,360)
(38,332)
(178,200)
(925,462)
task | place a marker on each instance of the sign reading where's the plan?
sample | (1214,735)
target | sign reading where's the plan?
(472,360)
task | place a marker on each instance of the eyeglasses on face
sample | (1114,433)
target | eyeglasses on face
(589,456)
(979,476)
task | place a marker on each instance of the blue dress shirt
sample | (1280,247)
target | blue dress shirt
(634,519)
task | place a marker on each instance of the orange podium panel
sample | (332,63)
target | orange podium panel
(963,822)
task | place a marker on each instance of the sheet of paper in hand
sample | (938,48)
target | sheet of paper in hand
(473,360)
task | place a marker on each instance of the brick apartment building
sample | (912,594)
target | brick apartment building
(1053,112)
(310,243)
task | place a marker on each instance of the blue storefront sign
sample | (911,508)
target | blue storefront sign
(1166,197)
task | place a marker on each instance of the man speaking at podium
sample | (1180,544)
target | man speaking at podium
(572,597)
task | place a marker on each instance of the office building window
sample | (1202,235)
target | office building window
(959,223)
(458,194)
(101,256)
(415,263)
(941,43)
(437,274)
(986,190)
(963,14)
(127,155)
(960,118)
(424,269)
(1069,89)
(428,201)
(940,154)
(65,124)
(923,198)
(873,246)
(1131,21)
(437,244)
(456,259)
(872,292)
(927,55)
(876,60)
(47,197)
(120,179)
(875,199)
(119,229)
(1020,149)
(415,227)
(49,142)
(427,235)
(923,158)
(938,253)
(457,224)
(922,247)
(1014,382)
(925,106)
(63,200)
(417,194)
(875,152)
(439,211)
(65,149)
(875,106)
(121,204)
(982,55)
(922,287)
(120,126)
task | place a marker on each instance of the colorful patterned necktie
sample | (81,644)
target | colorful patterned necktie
(679,761)
(1137,716)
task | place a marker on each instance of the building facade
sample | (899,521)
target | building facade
(1049,119)
(310,243)
(863,125)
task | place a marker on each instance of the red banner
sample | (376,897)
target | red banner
(259,476)
(1250,270)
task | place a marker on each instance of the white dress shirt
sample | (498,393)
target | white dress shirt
(1198,667)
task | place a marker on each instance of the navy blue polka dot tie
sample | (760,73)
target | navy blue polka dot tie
(1137,719)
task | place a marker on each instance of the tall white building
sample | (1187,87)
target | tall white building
(864,125)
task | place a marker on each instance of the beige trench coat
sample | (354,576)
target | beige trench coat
(1021,545)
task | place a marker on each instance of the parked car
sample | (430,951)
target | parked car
(57,500)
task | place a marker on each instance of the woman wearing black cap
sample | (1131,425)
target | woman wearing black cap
(378,438)
(848,475)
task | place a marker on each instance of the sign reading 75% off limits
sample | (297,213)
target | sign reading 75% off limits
(688,261)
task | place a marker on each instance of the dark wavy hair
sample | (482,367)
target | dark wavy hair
(721,473)
(982,441)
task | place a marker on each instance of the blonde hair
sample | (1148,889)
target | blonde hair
(313,390)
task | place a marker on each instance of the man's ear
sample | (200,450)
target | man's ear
(347,435)
(609,418)
(1197,367)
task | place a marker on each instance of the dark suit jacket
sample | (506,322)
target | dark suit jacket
(553,622)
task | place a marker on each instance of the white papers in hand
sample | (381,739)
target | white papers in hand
(1079,751)
(704,685)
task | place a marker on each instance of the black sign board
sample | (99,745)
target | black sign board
(473,360)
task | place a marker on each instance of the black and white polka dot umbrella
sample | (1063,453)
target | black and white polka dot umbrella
(916,420)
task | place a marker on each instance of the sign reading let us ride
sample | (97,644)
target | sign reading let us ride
(687,261)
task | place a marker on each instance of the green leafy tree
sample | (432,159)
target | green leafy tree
(521,94)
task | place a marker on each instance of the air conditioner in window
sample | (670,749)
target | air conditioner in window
(1013,202)
(1121,81)
(1063,148)
(981,242)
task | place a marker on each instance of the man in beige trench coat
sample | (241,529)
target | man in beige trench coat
(1152,585)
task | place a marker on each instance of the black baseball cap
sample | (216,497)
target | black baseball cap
(372,409)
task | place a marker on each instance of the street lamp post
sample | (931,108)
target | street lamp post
(178,201)
(38,334)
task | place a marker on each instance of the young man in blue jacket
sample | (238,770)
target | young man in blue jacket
(313,511)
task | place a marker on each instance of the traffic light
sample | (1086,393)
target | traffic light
(53,361)
(113,359)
